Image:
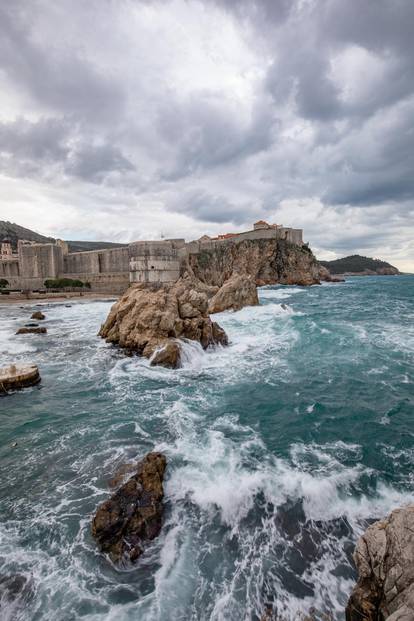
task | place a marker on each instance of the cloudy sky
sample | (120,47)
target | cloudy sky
(131,119)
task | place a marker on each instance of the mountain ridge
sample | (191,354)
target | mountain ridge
(14,232)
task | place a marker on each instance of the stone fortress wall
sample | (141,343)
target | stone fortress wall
(111,270)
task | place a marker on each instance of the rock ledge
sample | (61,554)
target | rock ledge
(17,376)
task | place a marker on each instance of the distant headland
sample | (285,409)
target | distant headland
(357,265)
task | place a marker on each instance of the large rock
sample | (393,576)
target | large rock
(38,315)
(132,517)
(384,557)
(239,291)
(32,330)
(16,376)
(150,318)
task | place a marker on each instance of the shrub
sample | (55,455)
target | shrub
(63,283)
(3,282)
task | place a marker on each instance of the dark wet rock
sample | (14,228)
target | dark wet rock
(37,330)
(132,517)
(38,315)
(384,557)
(31,325)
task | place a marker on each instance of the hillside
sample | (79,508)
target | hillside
(357,264)
(14,232)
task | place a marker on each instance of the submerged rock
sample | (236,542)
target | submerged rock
(150,318)
(133,515)
(38,315)
(237,292)
(32,330)
(16,376)
(384,557)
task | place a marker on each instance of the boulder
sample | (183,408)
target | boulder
(16,376)
(237,292)
(384,557)
(151,318)
(124,524)
(38,315)
(32,330)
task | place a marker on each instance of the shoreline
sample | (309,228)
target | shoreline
(10,300)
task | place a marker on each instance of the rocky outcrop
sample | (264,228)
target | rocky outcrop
(32,330)
(124,524)
(17,376)
(384,557)
(239,291)
(326,276)
(267,261)
(151,318)
(38,315)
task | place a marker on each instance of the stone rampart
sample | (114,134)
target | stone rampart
(155,261)
(113,260)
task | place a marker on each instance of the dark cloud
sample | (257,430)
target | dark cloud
(207,207)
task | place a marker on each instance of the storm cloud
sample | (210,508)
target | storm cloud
(128,119)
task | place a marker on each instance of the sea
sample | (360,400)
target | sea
(282,448)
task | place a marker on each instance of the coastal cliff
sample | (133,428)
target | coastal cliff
(384,557)
(267,261)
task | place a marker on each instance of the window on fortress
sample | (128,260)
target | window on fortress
(152,267)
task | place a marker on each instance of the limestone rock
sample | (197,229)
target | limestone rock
(16,376)
(237,292)
(32,330)
(267,261)
(38,315)
(132,517)
(151,317)
(384,557)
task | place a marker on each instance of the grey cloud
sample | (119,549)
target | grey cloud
(31,148)
(208,207)
(67,80)
(208,132)
(93,162)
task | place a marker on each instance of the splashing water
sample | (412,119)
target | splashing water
(281,449)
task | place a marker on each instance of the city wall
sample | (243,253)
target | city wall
(111,270)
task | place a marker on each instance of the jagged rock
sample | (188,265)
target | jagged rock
(124,524)
(16,376)
(151,317)
(326,276)
(384,557)
(267,261)
(38,315)
(237,292)
(32,330)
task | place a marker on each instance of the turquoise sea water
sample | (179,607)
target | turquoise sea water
(281,448)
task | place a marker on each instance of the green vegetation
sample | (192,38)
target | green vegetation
(356,263)
(3,283)
(63,283)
